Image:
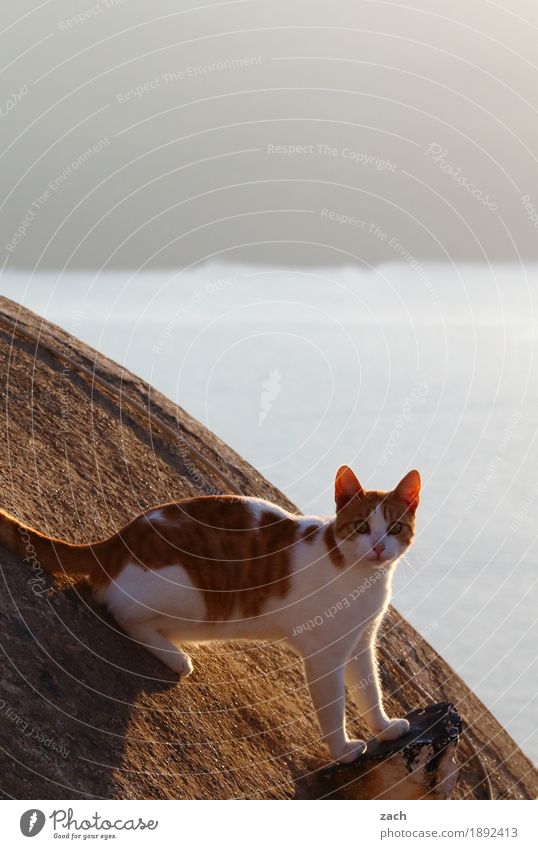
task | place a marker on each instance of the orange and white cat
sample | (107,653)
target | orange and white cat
(228,568)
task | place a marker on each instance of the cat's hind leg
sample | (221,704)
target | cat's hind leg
(150,637)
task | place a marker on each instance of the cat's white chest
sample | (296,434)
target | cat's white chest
(332,605)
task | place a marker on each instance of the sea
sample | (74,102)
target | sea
(386,369)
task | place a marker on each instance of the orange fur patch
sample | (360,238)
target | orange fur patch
(335,554)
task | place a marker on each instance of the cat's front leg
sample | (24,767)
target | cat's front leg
(363,680)
(325,678)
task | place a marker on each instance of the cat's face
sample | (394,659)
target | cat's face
(374,526)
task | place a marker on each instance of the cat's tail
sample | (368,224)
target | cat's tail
(52,555)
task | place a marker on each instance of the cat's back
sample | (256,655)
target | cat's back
(238,552)
(209,517)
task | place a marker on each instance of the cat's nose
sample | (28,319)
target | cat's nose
(379,548)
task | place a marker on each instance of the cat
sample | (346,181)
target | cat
(233,567)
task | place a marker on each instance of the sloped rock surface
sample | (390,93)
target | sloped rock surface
(86,713)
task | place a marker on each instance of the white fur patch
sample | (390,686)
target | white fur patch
(138,594)
(378,525)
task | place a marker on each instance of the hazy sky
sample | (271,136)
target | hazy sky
(285,131)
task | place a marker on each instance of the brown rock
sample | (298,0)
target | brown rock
(86,713)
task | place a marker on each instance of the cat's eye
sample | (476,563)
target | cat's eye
(396,528)
(362,527)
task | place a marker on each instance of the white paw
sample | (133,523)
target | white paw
(181,663)
(394,729)
(351,751)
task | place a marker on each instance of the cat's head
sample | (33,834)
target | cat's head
(374,526)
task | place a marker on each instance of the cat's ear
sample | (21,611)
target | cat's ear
(408,490)
(346,486)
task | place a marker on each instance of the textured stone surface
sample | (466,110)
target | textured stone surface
(86,713)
